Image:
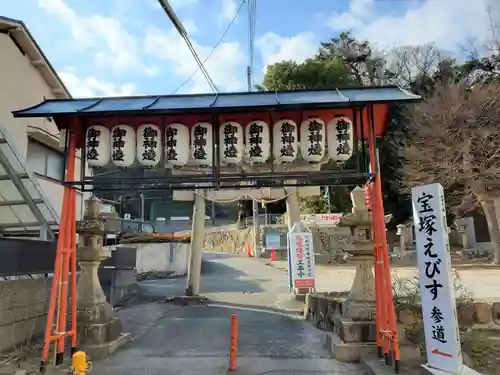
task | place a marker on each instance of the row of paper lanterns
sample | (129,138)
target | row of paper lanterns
(180,146)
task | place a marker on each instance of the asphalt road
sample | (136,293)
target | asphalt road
(169,339)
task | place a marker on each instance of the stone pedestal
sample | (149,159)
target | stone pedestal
(356,325)
(99,332)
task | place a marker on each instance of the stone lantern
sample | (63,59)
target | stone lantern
(99,331)
(360,304)
(356,325)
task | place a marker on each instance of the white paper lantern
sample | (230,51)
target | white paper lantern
(176,144)
(312,139)
(285,141)
(340,139)
(258,142)
(201,144)
(98,145)
(231,143)
(123,145)
(148,144)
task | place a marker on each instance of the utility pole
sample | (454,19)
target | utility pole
(255,205)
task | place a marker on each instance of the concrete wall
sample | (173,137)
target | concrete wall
(23,309)
(119,285)
(162,257)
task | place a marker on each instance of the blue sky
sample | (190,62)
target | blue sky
(124,47)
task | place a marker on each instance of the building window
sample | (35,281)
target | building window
(45,160)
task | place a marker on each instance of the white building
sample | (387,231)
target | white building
(27,78)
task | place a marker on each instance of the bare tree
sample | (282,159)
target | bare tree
(407,63)
(483,62)
(455,140)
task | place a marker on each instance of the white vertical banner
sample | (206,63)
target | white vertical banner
(301,255)
(436,284)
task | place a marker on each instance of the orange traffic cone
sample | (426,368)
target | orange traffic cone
(273,255)
(249,251)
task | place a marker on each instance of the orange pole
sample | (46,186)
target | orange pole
(66,250)
(62,246)
(379,315)
(233,342)
(376,271)
(53,295)
(379,276)
(384,326)
(388,301)
(73,274)
(391,314)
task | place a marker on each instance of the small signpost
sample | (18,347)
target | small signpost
(439,310)
(273,240)
(301,257)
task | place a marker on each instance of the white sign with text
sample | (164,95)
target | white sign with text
(301,256)
(436,284)
(321,219)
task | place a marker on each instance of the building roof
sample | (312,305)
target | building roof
(282,100)
(23,39)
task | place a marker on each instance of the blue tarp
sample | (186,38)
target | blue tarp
(223,101)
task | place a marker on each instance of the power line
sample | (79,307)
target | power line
(183,33)
(201,63)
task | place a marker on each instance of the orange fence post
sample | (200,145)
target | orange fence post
(273,255)
(233,342)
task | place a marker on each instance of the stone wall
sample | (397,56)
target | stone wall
(471,315)
(328,240)
(24,305)
(474,318)
(23,312)
(322,308)
(233,242)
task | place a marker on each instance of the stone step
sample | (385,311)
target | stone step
(347,352)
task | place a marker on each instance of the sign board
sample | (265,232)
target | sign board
(301,255)
(436,284)
(273,240)
(321,219)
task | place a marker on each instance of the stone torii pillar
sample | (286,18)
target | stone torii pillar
(196,247)
(292,205)
(99,331)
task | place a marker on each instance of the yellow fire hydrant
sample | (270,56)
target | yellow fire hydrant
(79,363)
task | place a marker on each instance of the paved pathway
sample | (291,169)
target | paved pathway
(193,340)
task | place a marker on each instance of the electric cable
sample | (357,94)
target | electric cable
(201,63)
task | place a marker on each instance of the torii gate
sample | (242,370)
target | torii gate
(218,141)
